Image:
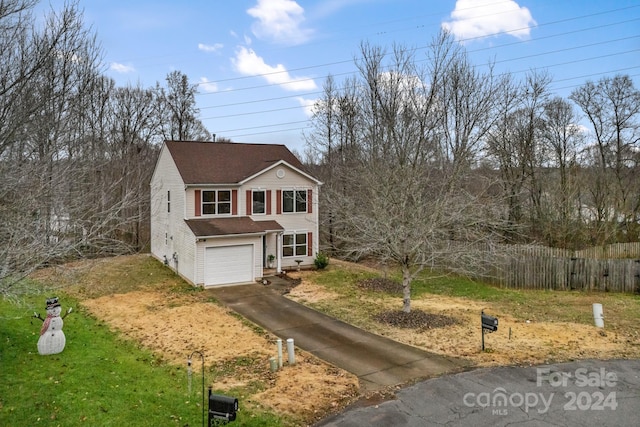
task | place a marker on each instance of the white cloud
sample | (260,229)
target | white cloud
(280,21)
(309,105)
(210,48)
(482,18)
(207,85)
(121,68)
(248,63)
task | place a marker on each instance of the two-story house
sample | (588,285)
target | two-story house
(219,210)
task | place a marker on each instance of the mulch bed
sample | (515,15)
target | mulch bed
(291,282)
(415,319)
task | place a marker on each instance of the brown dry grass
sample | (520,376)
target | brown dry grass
(156,309)
(140,300)
(517,341)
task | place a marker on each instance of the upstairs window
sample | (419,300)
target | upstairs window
(294,201)
(216,202)
(258,202)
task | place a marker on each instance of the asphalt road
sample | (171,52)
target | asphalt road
(583,393)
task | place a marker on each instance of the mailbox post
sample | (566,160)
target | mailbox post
(489,323)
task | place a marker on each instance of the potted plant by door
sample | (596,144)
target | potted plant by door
(270,259)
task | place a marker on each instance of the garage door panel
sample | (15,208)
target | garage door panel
(228,264)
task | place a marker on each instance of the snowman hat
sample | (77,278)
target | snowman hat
(52,302)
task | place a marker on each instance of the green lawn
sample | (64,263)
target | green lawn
(622,311)
(101,379)
(98,380)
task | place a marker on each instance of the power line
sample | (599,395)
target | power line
(262,100)
(568,49)
(266,85)
(561,21)
(301,107)
(308,120)
(502,61)
(531,56)
(264,126)
(268,132)
(254,112)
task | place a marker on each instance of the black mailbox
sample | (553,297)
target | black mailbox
(489,323)
(222,407)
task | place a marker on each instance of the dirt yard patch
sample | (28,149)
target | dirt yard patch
(517,342)
(239,356)
(145,303)
(167,317)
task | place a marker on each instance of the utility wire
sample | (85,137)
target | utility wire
(309,120)
(463,40)
(266,85)
(573,48)
(506,60)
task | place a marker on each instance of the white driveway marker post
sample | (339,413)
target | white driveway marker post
(279,343)
(598,316)
(292,356)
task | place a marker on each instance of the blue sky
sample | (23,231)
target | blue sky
(261,63)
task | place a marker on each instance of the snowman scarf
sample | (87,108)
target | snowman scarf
(45,324)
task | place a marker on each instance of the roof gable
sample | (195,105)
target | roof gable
(226,162)
(303,172)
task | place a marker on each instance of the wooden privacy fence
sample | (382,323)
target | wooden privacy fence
(602,268)
(544,272)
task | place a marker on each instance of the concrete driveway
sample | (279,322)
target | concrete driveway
(584,393)
(377,361)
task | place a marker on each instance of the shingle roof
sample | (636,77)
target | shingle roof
(226,162)
(206,227)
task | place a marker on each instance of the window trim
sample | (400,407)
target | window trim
(216,203)
(264,204)
(295,244)
(295,204)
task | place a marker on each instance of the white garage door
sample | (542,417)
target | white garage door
(228,264)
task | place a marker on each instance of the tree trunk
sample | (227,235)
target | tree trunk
(406,288)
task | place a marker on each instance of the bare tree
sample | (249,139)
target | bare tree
(504,149)
(513,144)
(468,105)
(404,197)
(561,138)
(176,108)
(42,78)
(612,107)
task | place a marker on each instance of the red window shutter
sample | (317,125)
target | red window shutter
(249,195)
(309,244)
(268,202)
(309,201)
(279,201)
(198,203)
(234,202)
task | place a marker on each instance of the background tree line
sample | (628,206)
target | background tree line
(424,159)
(419,156)
(76,151)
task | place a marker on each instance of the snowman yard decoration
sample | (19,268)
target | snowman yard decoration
(52,339)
